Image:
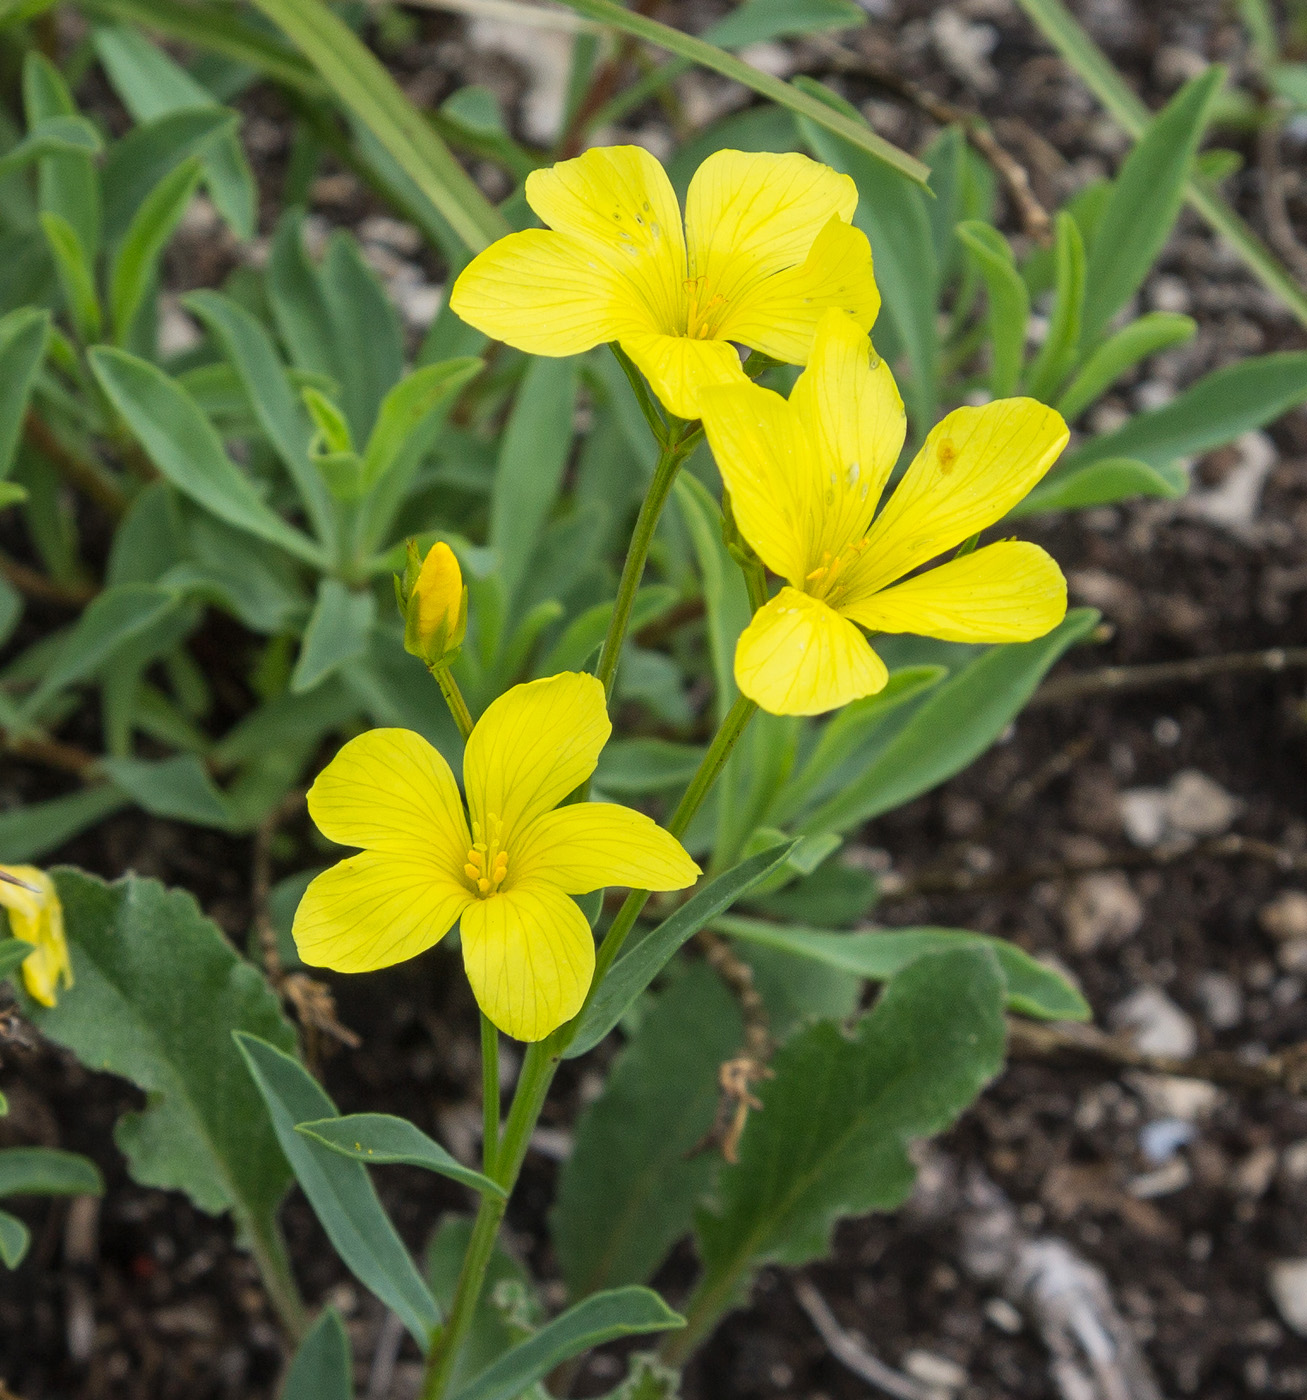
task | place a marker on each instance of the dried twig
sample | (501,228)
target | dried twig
(1034,217)
(54,753)
(1115,680)
(37,585)
(1275,208)
(87,476)
(850,1352)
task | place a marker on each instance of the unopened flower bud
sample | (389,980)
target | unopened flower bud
(433,599)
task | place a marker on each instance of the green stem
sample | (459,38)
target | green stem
(489,1095)
(641,391)
(755,580)
(454,699)
(674,452)
(269,1250)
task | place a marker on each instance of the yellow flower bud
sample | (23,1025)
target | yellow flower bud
(36,916)
(434,601)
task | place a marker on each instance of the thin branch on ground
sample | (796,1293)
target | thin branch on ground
(53,753)
(1035,219)
(852,1353)
(1116,680)
(531,16)
(36,585)
(87,476)
(1275,206)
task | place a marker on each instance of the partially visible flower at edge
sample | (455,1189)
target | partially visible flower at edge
(527,948)
(433,600)
(767,246)
(805,477)
(36,916)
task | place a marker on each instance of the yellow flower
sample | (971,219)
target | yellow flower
(805,477)
(527,946)
(767,246)
(36,916)
(433,599)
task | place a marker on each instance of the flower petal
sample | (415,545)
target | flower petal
(799,657)
(779,314)
(530,956)
(374,910)
(590,845)
(533,746)
(750,215)
(38,918)
(1007,592)
(389,790)
(549,294)
(618,201)
(768,467)
(973,468)
(678,368)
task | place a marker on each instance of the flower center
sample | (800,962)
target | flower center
(486,864)
(703,309)
(829,580)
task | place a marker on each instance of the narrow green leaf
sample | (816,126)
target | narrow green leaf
(407,409)
(1057,355)
(45,1171)
(182,443)
(75,275)
(14,1240)
(645,959)
(1158,330)
(378,1139)
(1032,988)
(338,633)
(52,136)
(323,1368)
(633,766)
(1102,483)
(13,954)
(757,21)
(367,337)
(175,788)
(147,236)
(27,833)
(580,643)
(623,1312)
(953,725)
(68,184)
(24,335)
(1009,303)
(339,1190)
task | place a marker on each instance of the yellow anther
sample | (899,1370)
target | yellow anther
(487,865)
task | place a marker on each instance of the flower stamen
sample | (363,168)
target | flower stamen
(487,865)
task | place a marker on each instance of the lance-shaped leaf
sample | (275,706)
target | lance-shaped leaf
(338,633)
(1101,483)
(46,1171)
(1009,302)
(24,335)
(378,1139)
(14,952)
(832,1137)
(27,833)
(1158,330)
(147,236)
(322,1368)
(14,1239)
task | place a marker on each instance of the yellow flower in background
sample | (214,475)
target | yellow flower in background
(767,246)
(805,477)
(36,916)
(527,947)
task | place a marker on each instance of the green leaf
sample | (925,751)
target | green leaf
(14,1239)
(27,833)
(1146,199)
(339,1190)
(176,788)
(623,1312)
(338,633)
(323,1368)
(1158,330)
(360,81)
(629,767)
(68,185)
(406,409)
(832,1137)
(182,443)
(801,102)
(14,952)
(579,644)
(1057,355)
(111,620)
(533,452)
(378,1138)
(1032,988)
(1220,407)
(1009,303)
(953,725)
(52,136)
(757,21)
(628,1190)
(645,959)
(147,236)
(1102,483)
(158,993)
(1289,80)
(45,1171)
(76,277)
(24,335)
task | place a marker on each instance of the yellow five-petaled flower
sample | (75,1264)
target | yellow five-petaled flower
(805,477)
(527,947)
(767,246)
(36,916)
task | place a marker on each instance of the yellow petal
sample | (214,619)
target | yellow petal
(780,313)
(439,592)
(679,369)
(750,215)
(765,462)
(618,201)
(529,955)
(1007,592)
(799,657)
(593,844)
(36,916)
(549,294)
(374,910)
(390,791)
(533,746)
(973,468)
